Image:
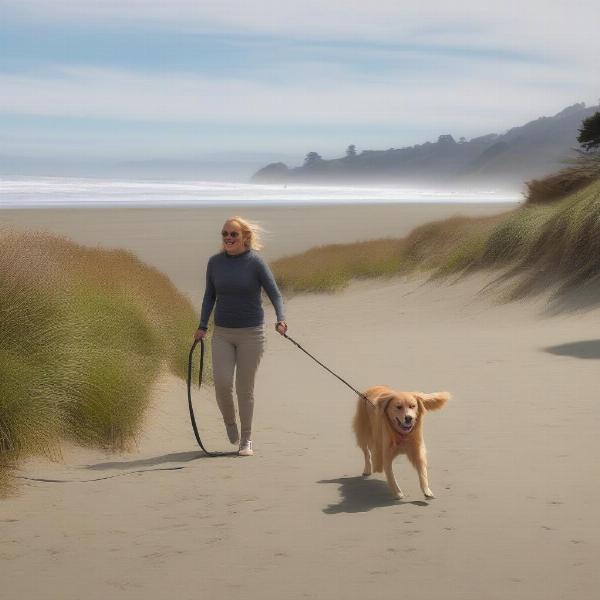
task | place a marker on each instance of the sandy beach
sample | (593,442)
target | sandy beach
(512,456)
(179,240)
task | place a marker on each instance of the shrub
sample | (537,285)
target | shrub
(589,134)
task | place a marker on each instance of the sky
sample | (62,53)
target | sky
(227,80)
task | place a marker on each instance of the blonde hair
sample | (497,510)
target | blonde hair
(251,232)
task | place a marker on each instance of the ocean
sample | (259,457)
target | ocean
(40,192)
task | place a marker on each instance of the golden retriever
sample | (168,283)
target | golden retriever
(388,423)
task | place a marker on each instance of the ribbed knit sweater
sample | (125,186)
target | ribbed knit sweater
(235,282)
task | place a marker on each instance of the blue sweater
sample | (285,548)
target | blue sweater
(234,282)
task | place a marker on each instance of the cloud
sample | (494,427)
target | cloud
(550,27)
(332,69)
(463,101)
(352,60)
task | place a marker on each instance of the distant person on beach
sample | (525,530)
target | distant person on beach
(234,280)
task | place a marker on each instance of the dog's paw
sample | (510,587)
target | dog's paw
(367,472)
(428,493)
(398,494)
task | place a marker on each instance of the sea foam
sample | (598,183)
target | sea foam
(30,192)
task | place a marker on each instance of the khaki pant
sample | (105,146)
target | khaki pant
(239,350)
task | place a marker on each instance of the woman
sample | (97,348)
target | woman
(234,279)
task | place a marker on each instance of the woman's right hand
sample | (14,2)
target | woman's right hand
(200,333)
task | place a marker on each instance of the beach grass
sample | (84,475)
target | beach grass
(448,245)
(580,172)
(84,333)
(562,239)
(559,239)
(332,267)
(440,245)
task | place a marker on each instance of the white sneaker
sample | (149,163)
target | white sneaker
(246,448)
(232,433)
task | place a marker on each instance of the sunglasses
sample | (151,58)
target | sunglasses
(231,234)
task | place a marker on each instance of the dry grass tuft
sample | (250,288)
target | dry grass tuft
(582,172)
(83,335)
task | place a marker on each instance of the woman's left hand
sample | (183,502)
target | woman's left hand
(281,327)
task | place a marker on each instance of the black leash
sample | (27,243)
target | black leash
(285,335)
(189,387)
(189,394)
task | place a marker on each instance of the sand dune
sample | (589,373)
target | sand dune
(512,463)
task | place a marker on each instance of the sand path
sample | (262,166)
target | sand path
(512,462)
(179,240)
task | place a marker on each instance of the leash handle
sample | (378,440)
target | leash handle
(189,390)
(189,395)
(360,394)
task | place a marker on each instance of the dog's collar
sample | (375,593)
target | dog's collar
(398,438)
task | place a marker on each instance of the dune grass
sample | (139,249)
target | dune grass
(330,268)
(567,247)
(449,245)
(440,245)
(581,172)
(559,241)
(562,238)
(83,335)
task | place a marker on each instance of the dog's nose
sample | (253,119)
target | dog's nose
(408,419)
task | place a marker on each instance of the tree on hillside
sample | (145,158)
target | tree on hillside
(589,134)
(351,151)
(311,158)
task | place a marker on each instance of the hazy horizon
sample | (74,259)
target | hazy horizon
(233,167)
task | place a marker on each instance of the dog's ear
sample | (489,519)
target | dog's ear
(433,401)
(384,401)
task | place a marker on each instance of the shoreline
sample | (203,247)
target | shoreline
(65,192)
(254,204)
